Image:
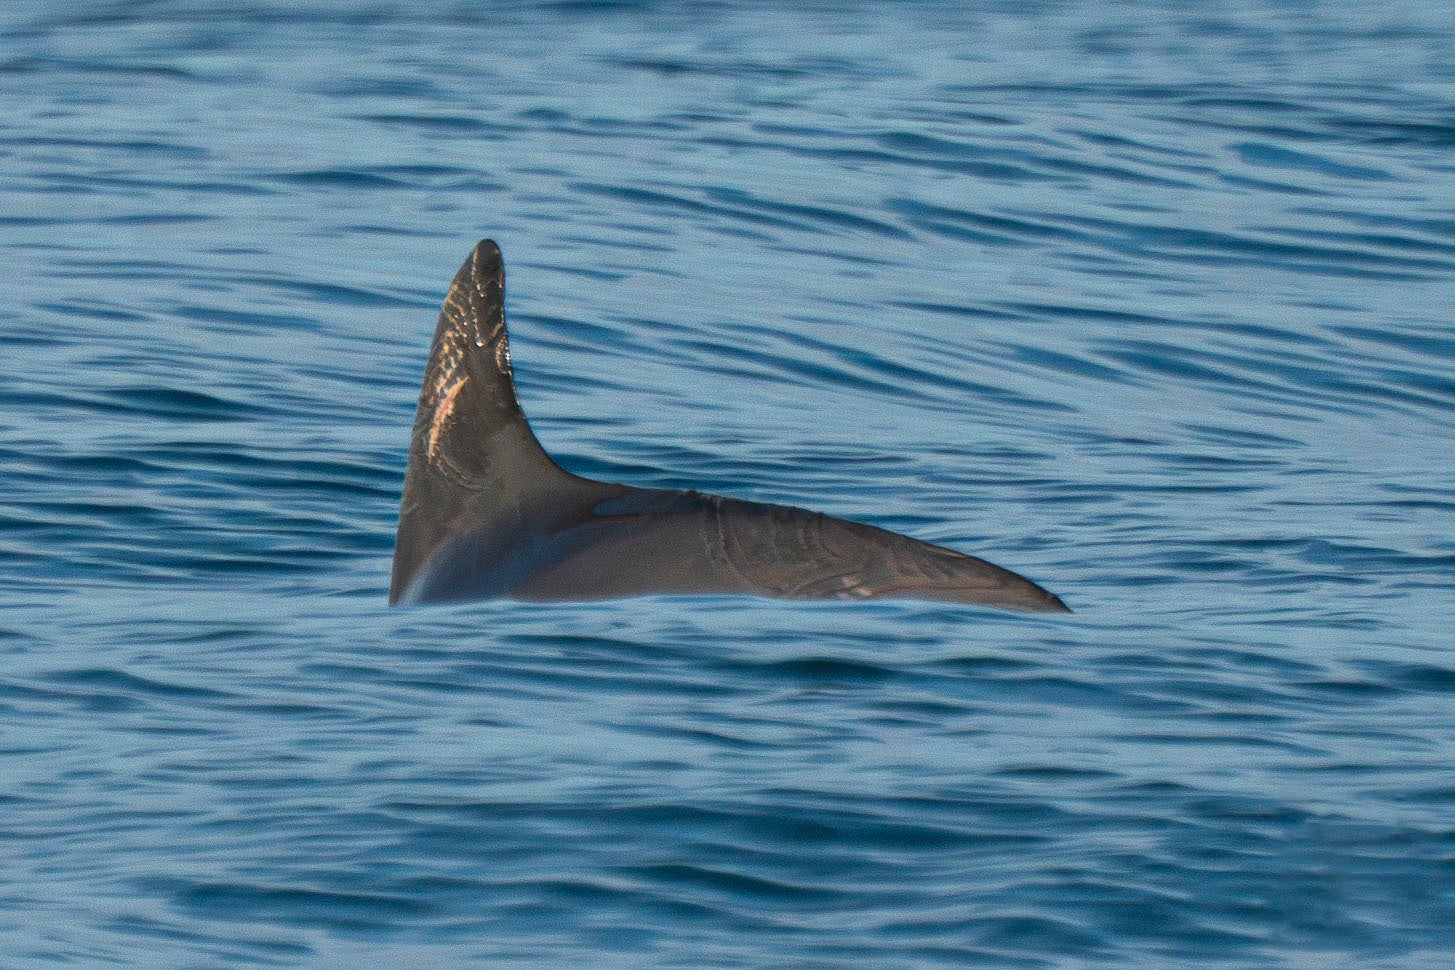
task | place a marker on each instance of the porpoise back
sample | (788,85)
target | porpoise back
(487,513)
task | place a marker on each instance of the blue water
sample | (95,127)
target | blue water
(1153,307)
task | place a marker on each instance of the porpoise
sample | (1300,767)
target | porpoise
(487,513)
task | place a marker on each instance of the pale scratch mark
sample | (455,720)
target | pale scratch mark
(442,414)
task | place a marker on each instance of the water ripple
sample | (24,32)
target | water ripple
(1155,314)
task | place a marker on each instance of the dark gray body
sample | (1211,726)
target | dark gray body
(487,513)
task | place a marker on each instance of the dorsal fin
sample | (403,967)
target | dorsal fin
(472,450)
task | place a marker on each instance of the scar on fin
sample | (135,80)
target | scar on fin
(442,414)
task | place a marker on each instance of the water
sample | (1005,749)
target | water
(1153,307)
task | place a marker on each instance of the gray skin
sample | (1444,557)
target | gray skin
(487,513)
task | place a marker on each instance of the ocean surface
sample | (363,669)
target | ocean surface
(1152,306)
